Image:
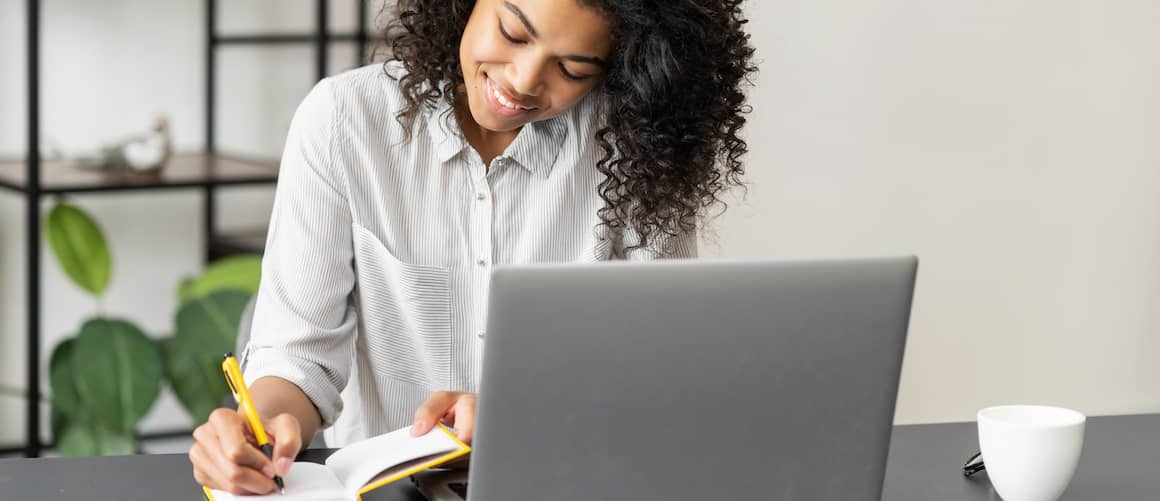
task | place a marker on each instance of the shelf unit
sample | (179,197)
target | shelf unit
(205,171)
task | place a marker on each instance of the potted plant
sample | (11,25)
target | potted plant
(105,379)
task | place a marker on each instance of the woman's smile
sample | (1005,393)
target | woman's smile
(503,104)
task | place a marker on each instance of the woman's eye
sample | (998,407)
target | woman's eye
(569,75)
(510,38)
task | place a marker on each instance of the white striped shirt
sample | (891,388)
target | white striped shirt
(381,244)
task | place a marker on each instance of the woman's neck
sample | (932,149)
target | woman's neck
(489,144)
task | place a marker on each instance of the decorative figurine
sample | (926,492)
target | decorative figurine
(146,153)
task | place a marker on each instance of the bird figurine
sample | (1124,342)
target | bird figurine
(139,154)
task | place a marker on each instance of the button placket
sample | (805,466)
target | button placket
(481,234)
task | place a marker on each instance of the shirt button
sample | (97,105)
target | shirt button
(482,262)
(479,334)
(481,197)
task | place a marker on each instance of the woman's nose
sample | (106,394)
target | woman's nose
(527,76)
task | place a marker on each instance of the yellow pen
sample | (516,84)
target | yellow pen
(242,395)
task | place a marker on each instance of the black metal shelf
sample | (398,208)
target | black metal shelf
(182,171)
(239,242)
(33,178)
(286,39)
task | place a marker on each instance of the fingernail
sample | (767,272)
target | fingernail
(268,471)
(283,465)
(415,428)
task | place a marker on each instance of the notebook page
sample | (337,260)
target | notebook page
(357,463)
(305,482)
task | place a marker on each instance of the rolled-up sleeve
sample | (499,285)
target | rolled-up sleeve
(304,322)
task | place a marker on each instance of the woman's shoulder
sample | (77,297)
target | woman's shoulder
(370,87)
(367,98)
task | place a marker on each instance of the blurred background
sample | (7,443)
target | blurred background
(1011,145)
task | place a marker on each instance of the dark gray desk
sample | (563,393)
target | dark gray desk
(1121,461)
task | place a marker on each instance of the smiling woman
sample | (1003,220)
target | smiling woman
(670,75)
(503,132)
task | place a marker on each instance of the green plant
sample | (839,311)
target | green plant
(206,328)
(107,377)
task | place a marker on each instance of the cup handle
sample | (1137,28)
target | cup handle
(974,465)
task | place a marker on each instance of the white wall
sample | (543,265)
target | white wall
(1013,147)
(1005,143)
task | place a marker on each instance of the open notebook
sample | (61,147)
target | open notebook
(363,466)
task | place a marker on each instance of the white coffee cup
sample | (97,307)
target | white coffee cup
(1030,451)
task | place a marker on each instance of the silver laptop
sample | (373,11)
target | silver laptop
(689,380)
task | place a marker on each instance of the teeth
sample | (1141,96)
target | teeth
(503,101)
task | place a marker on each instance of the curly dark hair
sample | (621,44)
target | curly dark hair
(673,95)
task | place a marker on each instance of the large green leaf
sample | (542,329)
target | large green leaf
(206,328)
(79,247)
(73,427)
(240,273)
(211,322)
(58,422)
(185,290)
(62,379)
(118,373)
(196,377)
(90,439)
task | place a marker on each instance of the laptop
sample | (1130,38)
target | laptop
(688,380)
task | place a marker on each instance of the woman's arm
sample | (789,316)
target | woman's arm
(274,396)
(304,321)
(302,336)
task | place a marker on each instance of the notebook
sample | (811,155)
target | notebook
(362,466)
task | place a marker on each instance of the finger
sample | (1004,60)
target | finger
(204,469)
(286,434)
(218,472)
(204,453)
(235,449)
(465,418)
(244,480)
(431,411)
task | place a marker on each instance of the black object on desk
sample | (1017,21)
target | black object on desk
(1120,462)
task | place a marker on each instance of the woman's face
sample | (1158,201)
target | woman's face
(529,60)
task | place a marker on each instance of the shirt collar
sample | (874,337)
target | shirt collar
(444,130)
(538,144)
(535,148)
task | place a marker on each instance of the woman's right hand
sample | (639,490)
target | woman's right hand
(225,455)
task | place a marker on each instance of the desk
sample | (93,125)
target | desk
(1121,461)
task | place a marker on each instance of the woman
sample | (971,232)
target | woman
(506,131)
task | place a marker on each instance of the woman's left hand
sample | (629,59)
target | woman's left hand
(455,408)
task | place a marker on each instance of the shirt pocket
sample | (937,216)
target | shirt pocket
(405,314)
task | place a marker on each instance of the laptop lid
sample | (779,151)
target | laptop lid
(695,380)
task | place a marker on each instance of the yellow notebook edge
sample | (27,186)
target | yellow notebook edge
(463,450)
